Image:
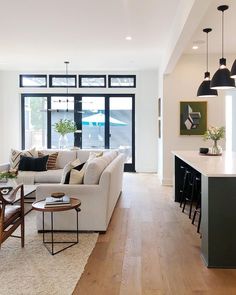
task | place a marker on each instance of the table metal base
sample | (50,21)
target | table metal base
(52,242)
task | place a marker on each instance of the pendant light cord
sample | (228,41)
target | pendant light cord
(222,34)
(67,90)
(207,53)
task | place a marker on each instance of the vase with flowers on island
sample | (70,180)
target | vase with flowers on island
(215,134)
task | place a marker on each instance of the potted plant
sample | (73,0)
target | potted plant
(6,175)
(63,127)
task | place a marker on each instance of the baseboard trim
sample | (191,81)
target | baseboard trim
(167,182)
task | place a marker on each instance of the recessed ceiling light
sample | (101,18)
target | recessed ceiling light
(195,47)
(128,38)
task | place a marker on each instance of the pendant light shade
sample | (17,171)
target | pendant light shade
(204,89)
(233,70)
(221,78)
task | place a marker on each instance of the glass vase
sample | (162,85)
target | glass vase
(216,149)
(63,141)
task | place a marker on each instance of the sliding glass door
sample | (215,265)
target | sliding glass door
(61,108)
(93,122)
(103,121)
(107,121)
(34,122)
(120,123)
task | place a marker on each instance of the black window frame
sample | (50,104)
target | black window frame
(129,167)
(21,76)
(92,76)
(121,76)
(62,76)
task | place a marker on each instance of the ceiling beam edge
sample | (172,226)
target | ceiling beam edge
(183,33)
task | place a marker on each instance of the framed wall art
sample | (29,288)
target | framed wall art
(193,117)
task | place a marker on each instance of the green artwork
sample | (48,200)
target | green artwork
(193,117)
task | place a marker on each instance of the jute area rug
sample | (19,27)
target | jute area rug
(33,270)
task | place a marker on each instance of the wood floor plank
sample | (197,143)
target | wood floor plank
(151,248)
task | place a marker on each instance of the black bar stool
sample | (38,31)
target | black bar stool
(195,183)
(187,184)
(198,205)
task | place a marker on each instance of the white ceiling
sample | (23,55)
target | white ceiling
(40,35)
(212,19)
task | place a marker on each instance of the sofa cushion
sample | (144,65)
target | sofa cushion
(33,164)
(94,170)
(50,176)
(84,155)
(96,166)
(64,157)
(15,156)
(52,159)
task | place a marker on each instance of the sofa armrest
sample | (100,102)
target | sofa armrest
(113,176)
(4,167)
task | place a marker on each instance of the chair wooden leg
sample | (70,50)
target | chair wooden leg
(23,233)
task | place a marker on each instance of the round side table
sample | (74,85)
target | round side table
(40,206)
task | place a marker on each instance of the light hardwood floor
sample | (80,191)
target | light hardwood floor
(150,248)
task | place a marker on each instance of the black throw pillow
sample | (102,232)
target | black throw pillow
(33,164)
(79,167)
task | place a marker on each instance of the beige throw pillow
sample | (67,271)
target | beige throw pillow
(76,176)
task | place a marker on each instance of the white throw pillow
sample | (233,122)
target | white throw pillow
(16,154)
(94,170)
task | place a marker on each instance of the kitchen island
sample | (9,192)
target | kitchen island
(218,205)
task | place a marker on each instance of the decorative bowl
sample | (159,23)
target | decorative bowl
(57,195)
(203,150)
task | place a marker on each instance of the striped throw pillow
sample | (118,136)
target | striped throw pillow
(15,157)
(52,159)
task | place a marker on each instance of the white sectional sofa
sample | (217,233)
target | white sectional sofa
(98,200)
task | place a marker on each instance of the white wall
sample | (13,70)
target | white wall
(182,85)
(145,106)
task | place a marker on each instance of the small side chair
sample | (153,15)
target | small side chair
(12,215)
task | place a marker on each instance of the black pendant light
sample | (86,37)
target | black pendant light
(221,78)
(204,89)
(233,70)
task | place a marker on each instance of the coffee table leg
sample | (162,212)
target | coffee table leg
(77,221)
(52,233)
(43,229)
(72,243)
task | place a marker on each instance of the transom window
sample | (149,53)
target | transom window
(33,80)
(122,81)
(89,81)
(62,81)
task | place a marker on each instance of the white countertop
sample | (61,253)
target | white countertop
(212,166)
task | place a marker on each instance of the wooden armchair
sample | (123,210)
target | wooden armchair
(11,215)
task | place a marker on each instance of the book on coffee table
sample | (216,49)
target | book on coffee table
(63,201)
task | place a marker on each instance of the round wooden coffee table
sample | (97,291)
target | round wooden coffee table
(74,204)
